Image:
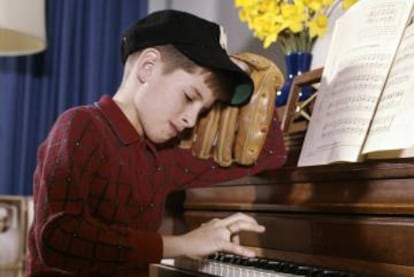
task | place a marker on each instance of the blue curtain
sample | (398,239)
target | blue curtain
(81,63)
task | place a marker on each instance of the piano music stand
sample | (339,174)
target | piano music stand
(295,116)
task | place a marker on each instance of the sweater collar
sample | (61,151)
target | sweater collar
(118,121)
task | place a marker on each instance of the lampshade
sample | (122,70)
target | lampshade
(22,27)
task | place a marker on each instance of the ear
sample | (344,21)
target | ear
(146,64)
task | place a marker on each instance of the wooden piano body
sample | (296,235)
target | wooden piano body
(357,217)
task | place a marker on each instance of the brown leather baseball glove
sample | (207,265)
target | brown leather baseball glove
(237,134)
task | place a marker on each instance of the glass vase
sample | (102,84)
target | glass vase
(296,63)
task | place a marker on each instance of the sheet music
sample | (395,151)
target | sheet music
(393,124)
(362,50)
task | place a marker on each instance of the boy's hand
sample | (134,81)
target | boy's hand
(213,236)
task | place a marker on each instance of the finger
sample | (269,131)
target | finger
(214,220)
(211,221)
(241,225)
(237,216)
(229,247)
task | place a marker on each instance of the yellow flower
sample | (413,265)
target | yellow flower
(346,4)
(316,5)
(293,16)
(318,26)
(296,24)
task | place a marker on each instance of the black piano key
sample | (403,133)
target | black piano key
(221,257)
(214,256)
(262,263)
(272,265)
(252,262)
(238,260)
(316,273)
(289,268)
(303,270)
(283,267)
(228,258)
(333,273)
(244,261)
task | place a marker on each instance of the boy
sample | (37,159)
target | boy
(105,170)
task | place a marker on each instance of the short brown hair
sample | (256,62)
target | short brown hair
(173,58)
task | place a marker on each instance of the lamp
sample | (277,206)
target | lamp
(22,27)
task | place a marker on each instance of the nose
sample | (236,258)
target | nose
(189,117)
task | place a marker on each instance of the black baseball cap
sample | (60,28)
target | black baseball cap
(202,41)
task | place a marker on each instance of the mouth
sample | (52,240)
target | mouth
(175,129)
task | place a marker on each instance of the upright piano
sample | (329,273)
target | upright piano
(352,217)
(355,217)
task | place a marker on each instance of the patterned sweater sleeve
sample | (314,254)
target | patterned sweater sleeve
(66,236)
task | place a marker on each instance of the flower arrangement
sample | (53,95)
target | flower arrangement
(296,24)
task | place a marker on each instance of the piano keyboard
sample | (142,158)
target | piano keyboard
(229,265)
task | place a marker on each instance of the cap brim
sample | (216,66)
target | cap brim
(218,59)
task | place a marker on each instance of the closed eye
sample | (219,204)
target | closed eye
(188,98)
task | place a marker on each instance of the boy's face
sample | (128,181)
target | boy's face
(169,103)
